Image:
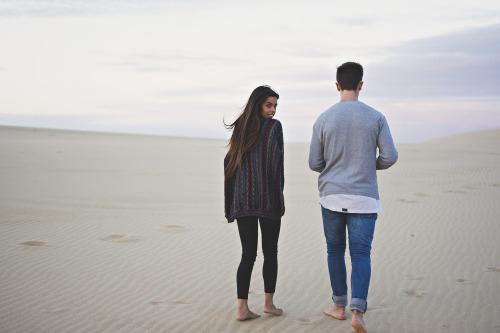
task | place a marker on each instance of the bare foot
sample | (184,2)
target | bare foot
(244,312)
(337,312)
(273,310)
(244,315)
(357,322)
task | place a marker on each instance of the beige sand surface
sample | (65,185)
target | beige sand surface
(126,233)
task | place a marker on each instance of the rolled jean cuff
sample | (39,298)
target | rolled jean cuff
(358,304)
(340,300)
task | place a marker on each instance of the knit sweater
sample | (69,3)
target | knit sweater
(256,189)
(344,149)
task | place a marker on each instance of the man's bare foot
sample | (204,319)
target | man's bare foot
(357,322)
(244,315)
(272,309)
(337,312)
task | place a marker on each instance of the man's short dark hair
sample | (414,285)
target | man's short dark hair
(349,75)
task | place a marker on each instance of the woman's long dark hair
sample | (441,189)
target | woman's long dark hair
(246,128)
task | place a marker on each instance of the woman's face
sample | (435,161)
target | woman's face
(269,107)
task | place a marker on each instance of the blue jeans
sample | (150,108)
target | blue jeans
(360,229)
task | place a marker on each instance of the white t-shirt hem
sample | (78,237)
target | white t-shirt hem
(348,203)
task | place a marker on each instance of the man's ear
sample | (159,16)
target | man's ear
(360,85)
(338,86)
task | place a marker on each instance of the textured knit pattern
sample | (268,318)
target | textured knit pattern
(344,149)
(257,187)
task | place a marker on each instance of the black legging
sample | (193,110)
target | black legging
(248,229)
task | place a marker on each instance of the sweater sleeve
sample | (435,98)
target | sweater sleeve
(388,155)
(228,190)
(316,153)
(282,155)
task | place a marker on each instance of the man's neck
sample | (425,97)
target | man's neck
(349,95)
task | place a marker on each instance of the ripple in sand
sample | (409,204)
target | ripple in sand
(34,243)
(54,310)
(455,191)
(420,194)
(126,238)
(182,303)
(157,303)
(414,277)
(414,293)
(493,269)
(173,228)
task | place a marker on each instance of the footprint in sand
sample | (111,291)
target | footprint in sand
(303,321)
(414,293)
(464,281)
(493,269)
(406,201)
(125,238)
(33,243)
(380,307)
(173,228)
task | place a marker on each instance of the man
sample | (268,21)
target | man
(344,151)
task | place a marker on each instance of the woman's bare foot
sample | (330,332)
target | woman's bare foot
(269,306)
(357,322)
(272,309)
(244,315)
(337,312)
(244,312)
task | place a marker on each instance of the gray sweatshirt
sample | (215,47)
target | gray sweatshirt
(344,149)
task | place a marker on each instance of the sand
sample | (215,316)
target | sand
(126,233)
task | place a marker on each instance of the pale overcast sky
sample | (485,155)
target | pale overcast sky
(179,67)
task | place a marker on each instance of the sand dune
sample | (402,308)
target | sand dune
(126,233)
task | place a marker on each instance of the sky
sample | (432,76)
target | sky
(182,67)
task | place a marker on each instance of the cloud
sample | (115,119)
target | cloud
(479,14)
(48,8)
(51,8)
(200,92)
(169,62)
(423,120)
(167,119)
(356,21)
(464,63)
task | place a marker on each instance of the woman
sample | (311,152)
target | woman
(253,170)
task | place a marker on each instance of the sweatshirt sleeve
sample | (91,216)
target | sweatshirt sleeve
(388,155)
(316,153)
